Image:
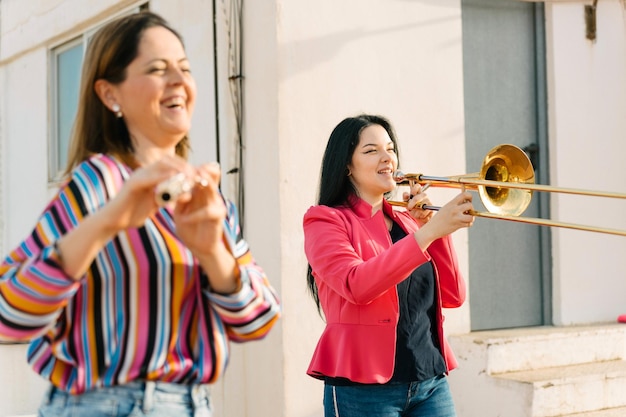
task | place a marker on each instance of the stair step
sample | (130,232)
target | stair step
(575,388)
(566,374)
(607,412)
(541,372)
(546,346)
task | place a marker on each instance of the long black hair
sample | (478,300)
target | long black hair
(335,186)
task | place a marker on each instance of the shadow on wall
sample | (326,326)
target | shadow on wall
(312,52)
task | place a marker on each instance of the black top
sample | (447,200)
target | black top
(418,354)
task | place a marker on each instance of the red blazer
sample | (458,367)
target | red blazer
(356,269)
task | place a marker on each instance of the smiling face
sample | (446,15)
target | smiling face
(373,163)
(157,96)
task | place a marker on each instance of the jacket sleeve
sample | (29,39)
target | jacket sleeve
(351,262)
(250,313)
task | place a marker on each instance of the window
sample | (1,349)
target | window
(66,65)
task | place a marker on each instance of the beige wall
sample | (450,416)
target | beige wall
(327,60)
(587,103)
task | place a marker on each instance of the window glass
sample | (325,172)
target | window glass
(68,67)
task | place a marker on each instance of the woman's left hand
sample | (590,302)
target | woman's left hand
(199,217)
(415,200)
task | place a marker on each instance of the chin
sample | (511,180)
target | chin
(391,186)
(178,134)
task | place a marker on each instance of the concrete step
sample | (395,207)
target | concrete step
(541,371)
(582,388)
(608,412)
(547,346)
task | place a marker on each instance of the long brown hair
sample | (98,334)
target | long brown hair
(110,51)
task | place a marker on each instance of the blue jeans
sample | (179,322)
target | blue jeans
(154,399)
(430,398)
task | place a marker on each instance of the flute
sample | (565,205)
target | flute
(170,189)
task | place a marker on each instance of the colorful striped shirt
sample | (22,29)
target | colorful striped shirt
(143,310)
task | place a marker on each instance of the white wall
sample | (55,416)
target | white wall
(587,104)
(324,61)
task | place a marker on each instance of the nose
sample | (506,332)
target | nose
(388,155)
(178,76)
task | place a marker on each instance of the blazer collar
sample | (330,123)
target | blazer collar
(364,210)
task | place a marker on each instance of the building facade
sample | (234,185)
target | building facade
(274,77)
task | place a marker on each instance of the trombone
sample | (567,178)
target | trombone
(505,185)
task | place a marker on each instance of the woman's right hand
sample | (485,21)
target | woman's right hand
(135,201)
(130,207)
(453,216)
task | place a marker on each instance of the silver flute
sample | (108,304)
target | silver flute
(170,189)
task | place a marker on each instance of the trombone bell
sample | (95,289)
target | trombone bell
(500,183)
(510,164)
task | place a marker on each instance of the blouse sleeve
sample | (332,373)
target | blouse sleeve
(33,286)
(34,289)
(251,312)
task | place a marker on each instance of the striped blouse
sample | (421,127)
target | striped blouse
(143,310)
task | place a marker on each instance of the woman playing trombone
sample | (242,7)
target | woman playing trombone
(381,277)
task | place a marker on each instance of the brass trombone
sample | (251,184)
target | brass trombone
(505,185)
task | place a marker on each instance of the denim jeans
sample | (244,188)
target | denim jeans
(154,399)
(430,398)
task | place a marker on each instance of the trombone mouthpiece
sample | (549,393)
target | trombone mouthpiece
(402,178)
(398,176)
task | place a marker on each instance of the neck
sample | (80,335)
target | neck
(146,157)
(148,151)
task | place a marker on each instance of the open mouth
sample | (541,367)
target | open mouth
(174,103)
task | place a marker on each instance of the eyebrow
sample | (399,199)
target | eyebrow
(163,60)
(375,144)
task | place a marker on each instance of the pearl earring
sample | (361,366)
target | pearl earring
(117,110)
